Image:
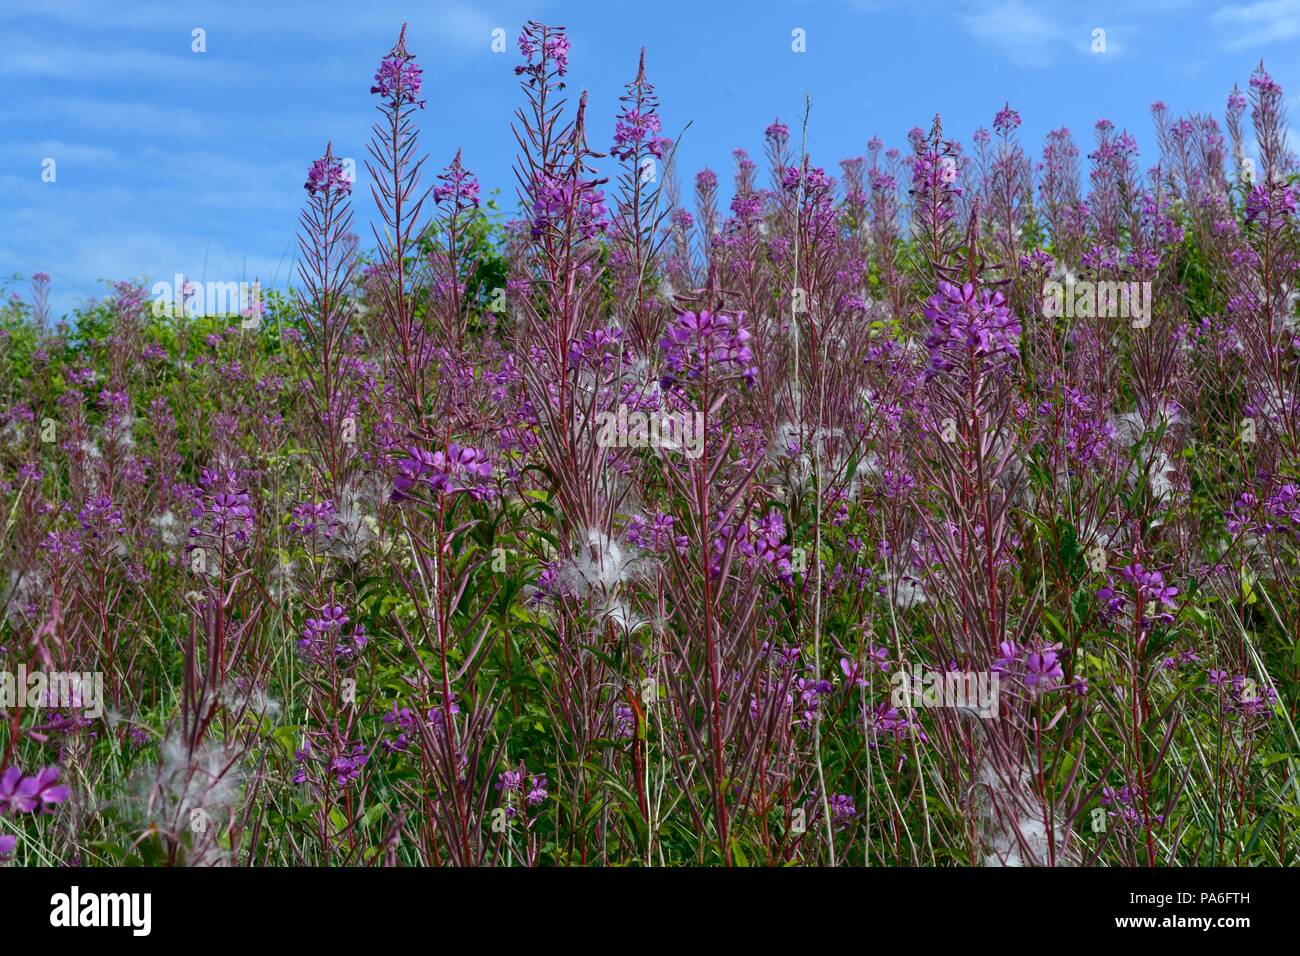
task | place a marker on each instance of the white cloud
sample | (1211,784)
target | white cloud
(1040,33)
(74,63)
(1255,24)
(1021,32)
(59,150)
(109,115)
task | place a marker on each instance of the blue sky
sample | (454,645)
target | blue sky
(173,161)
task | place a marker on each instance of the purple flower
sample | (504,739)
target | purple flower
(458,469)
(323,638)
(843,811)
(634,128)
(225,505)
(656,535)
(347,766)
(437,716)
(697,340)
(624,721)
(310,517)
(99,518)
(1043,670)
(1113,599)
(1006,120)
(886,719)
(1265,85)
(326,176)
(852,672)
(19,794)
(9,783)
(399,77)
(1039,668)
(557,199)
(969,319)
(1149,588)
(1270,206)
(778,134)
(59,543)
(457,186)
(551,43)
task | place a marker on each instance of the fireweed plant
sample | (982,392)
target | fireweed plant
(369,583)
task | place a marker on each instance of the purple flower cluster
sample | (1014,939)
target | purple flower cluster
(934,187)
(969,319)
(326,175)
(62,543)
(765,545)
(633,130)
(551,43)
(399,77)
(885,720)
(557,199)
(624,721)
(346,766)
(223,508)
(598,348)
(813,180)
(1038,668)
(761,542)
(1156,599)
(1149,584)
(1242,695)
(457,186)
(855,673)
(806,698)
(1271,206)
(404,722)
(1125,801)
(656,535)
(314,517)
(702,340)
(843,811)
(1006,120)
(512,781)
(458,469)
(39,792)
(323,637)
(99,518)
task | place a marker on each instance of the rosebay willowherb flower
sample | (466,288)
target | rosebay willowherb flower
(594,526)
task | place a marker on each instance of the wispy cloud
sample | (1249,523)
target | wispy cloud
(1042,33)
(1023,33)
(73,63)
(58,149)
(106,115)
(1256,24)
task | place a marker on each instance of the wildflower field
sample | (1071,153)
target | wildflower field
(938,507)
